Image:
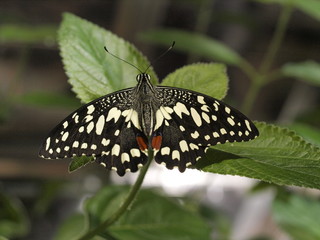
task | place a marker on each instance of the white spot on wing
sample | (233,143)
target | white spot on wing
(105,142)
(125,157)
(75,144)
(165,113)
(195,134)
(65,124)
(180,108)
(47,143)
(201,99)
(175,155)
(205,117)
(248,125)
(196,117)
(90,127)
(165,151)
(114,113)
(159,119)
(65,136)
(115,150)
(230,121)
(135,152)
(84,145)
(100,125)
(183,146)
(90,109)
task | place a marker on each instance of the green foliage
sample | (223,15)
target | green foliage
(277,156)
(13,219)
(23,34)
(193,43)
(308,71)
(309,7)
(198,77)
(91,70)
(159,218)
(298,216)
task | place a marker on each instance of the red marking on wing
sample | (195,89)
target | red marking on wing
(156,142)
(142,144)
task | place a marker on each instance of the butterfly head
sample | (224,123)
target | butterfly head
(143,77)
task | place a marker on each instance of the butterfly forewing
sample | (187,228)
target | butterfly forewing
(103,129)
(190,122)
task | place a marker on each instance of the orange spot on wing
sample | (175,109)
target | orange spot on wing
(142,144)
(156,142)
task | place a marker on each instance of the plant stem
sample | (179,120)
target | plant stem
(259,79)
(125,205)
(276,39)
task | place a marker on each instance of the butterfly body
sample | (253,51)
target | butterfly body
(119,129)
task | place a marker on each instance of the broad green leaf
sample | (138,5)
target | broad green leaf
(43,34)
(310,7)
(91,70)
(193,43)
(13,218)
(151,217)
(78,162)
(278,156)
(308,71)
(207,78)
(299,217)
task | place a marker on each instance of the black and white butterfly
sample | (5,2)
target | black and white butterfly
(118,129)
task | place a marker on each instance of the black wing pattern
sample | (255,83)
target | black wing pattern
(104,129)
(190,122)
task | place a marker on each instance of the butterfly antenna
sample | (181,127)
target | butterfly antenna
(105,48)
(164,53)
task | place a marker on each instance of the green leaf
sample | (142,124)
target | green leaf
(277,156)
(72,228)
(13,218)
(210,79)
(308,71)
(193,43)
(78,162)
(91,70)
(299,217)
(43,34)
(151,217)
(310,7)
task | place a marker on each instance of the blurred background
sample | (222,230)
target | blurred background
(37,194)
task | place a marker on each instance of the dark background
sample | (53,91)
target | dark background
(245,26)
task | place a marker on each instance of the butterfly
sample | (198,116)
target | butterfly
(120,128)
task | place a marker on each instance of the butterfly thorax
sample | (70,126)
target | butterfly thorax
(146,103)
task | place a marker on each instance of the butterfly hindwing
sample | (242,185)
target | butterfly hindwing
(191,122)
(103,129)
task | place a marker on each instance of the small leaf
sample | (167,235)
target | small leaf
(210,79)
(299,217)
(193,43)
(78,162)
(91,70)
(278,156)
(308,71)
(151,217)
(45,34)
